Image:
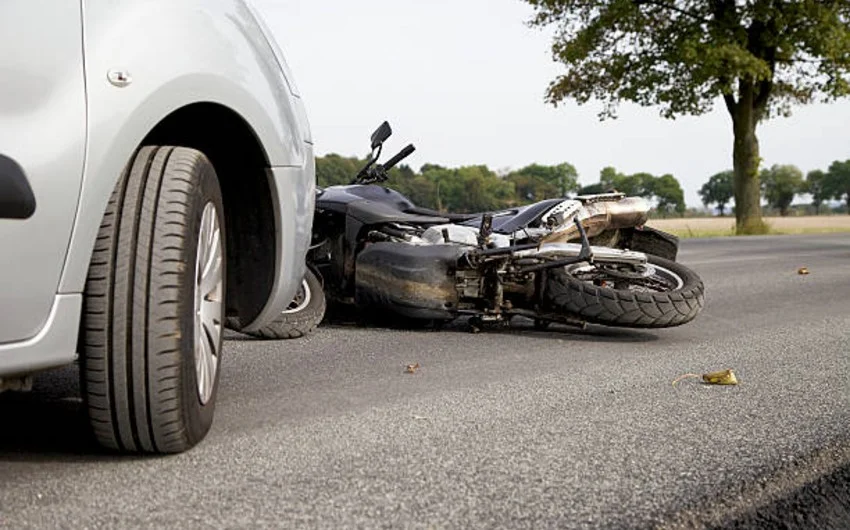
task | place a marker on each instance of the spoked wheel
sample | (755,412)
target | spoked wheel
(303,314)
(660,294)
(302,298)
(651,278)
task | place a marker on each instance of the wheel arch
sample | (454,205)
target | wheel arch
(241,163)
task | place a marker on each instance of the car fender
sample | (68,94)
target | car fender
(145,60)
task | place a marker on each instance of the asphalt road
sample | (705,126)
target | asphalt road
(510,429)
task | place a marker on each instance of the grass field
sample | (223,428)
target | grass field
(725,226)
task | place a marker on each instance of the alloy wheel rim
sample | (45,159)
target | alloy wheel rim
(209,283)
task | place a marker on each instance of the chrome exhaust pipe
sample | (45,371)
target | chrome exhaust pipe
(597,217)
(573,250)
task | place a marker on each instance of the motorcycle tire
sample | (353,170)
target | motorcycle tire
(303,315)
(574,291)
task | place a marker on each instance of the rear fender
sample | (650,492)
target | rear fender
(649,241)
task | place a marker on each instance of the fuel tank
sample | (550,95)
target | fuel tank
(337,198)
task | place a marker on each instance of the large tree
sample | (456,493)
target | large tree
(759,56)
(781,184)
(719,190)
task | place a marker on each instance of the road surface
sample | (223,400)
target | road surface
(510,429)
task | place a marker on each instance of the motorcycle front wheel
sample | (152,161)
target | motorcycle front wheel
(304,314)
(664,294)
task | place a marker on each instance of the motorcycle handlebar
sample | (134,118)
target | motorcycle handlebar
(406,152)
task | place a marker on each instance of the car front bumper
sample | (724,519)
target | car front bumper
(54,346)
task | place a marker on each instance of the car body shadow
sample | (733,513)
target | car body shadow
(49,423)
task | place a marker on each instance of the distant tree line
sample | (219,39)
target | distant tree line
(781,184)
(477,188)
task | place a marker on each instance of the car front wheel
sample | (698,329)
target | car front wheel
(154,305)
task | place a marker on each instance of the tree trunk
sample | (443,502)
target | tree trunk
(746,162)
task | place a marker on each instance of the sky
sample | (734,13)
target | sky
(465,80)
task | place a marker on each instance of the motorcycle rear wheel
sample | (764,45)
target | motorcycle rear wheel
(670,295)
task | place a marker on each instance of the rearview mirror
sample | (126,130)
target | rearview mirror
(381,134)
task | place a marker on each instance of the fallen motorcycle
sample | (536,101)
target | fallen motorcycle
(587,259)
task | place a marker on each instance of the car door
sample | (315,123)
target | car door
(42,146)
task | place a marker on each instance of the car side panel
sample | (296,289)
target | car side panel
(42,136)
(178,53)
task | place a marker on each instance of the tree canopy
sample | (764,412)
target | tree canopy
(477,188)
(537,182)
(718,190)
(665,190)
(758,56)
(838,181)
(781,183)
(817,187)
(668,194)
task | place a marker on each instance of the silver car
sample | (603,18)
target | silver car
(157,180)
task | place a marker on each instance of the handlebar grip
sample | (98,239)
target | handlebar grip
(406,152)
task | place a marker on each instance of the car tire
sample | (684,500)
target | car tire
(154,306)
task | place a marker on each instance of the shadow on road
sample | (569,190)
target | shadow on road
(47,424)
(519,326)
(591,334)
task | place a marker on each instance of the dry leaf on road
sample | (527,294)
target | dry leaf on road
(803,271)
(411,368)
(724,377)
